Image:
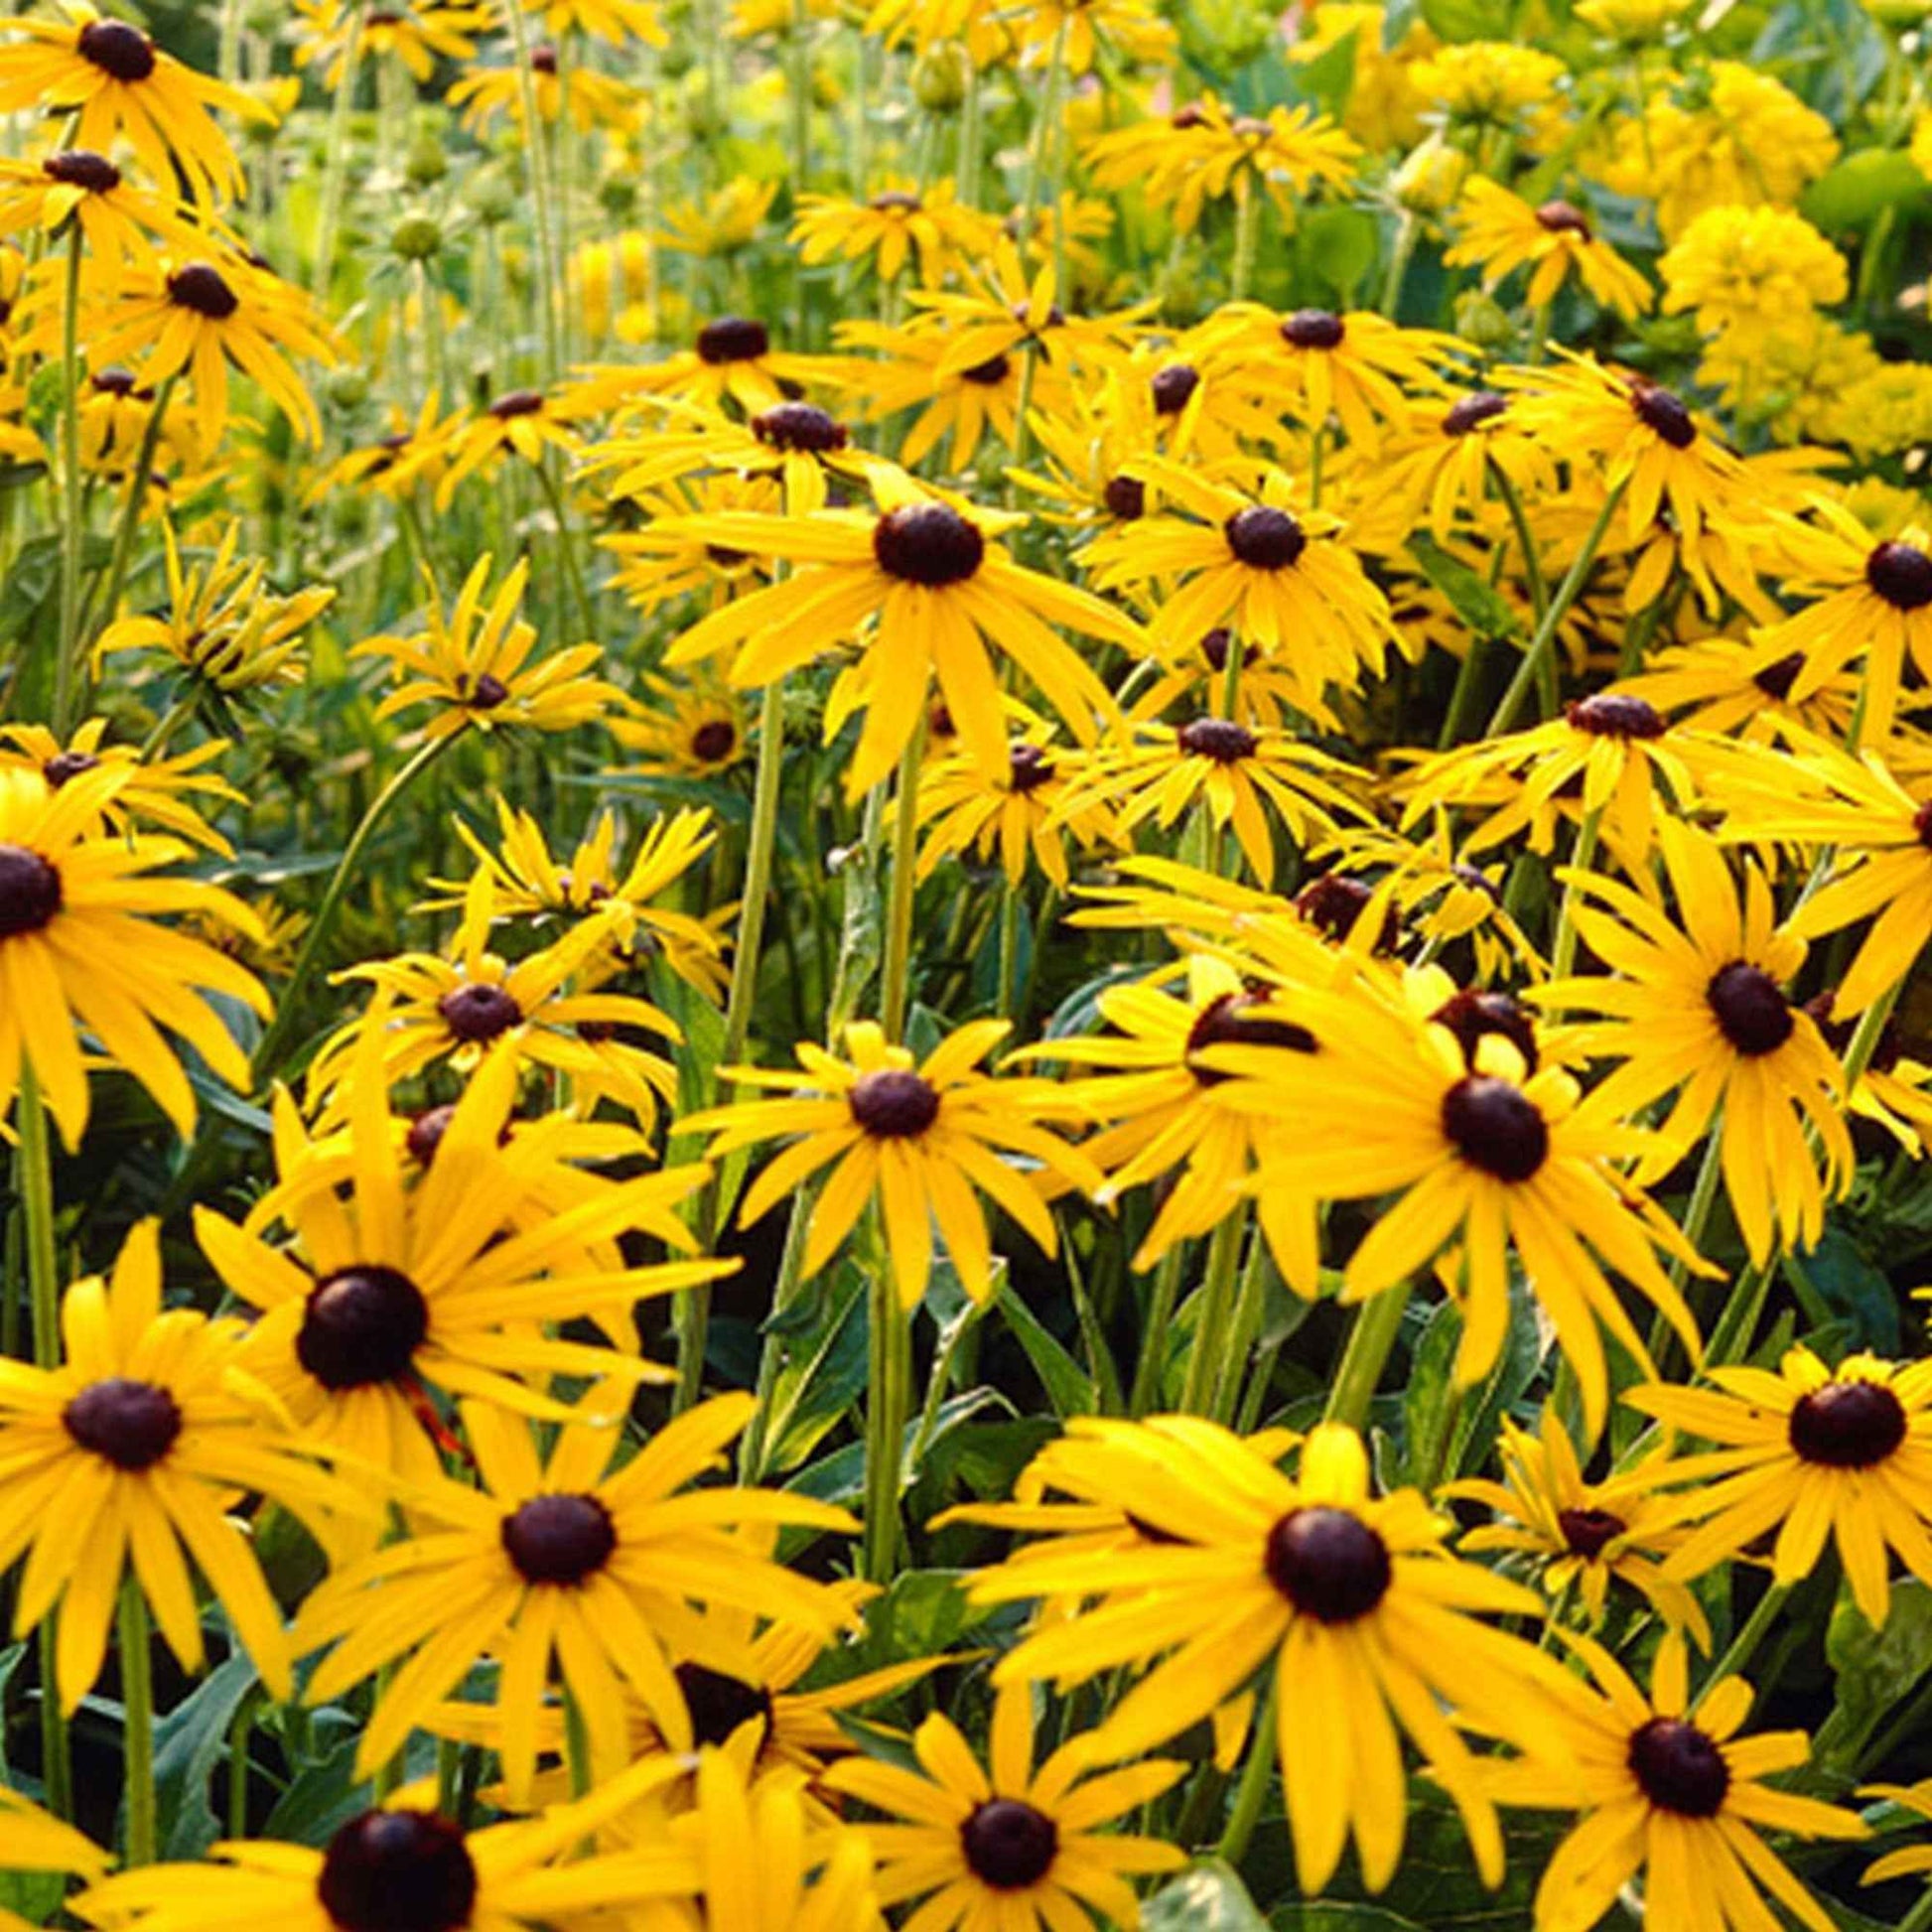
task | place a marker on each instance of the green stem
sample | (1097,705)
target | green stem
(1154,1336)
(1405,249)
(1252,1792)
(969,137)
(336,168)
(1745,1642)
(239,1728)
(577,1745)
(1563,951)
(567,549)
(1730,1340)
(1543,643)
(1247,231)
(268,1055)
(895,974)
(72,510)
(1919,1918)
(544,219)
(1045,129)
(166,726)
(137,1696)
(137,481)
(1205,1357)
(1371,1341)
(887,1409)
(1519,523)
(1462,695)
(774,1355)
(1009,952)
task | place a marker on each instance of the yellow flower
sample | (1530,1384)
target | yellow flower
(898,222)
(1750,273)
(1499,232)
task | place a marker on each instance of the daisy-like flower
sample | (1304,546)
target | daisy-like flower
(732,359)
(124,88)
(118,221)
(413,451)
(1482,1152)
(1349,1601)
(1583,1536)
(476,666)
(80,945)
(1313,364)
(894,224)
(1500,232)
(130,1453)
(1669,1790)
(1442,457)
(157,792)
(956,406)
(921,1137)
(1697,1008)
(1810,1453)
(1735,687)
(519,422)
(197,318)
(547,1010)
(1879,833)
(526,882)
(928,569)
(689,728)
(653,568)
(1489,83)
(724,222)
(1027,810)
(1133,31)
(417,33)
(588,99)
(566,1569)
(395,1294)
(115,409)
(1749,273)
(1271,570)
(224,626)
(1244,779)
(1005,1843)
(403,1864)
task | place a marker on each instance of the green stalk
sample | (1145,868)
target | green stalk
(1247,231)
(969,137)
(540,192)
(1399,260)
(1205,1357)
(1733,1662)
(1919,1918)
(336,168)
(1371,1341)
(268,1055)
(1563,951)
(895,973)
(239,1727)
(1045,130)
(1252,1793)
(1009,952)
(1519,523)
(1153,1336)
(36,1171)
(137,1697)
(567,549)
(1543,643)
(73,509)
(752,1465)
(130,522)
(888,1406)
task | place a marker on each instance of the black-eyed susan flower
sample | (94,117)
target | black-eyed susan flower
(1349,1602)
(1500,232)
(416,32)
(1809,1453)
(1696,1007)
(1030,810)
(691,726)
(566,1569)
(168,794)
(956,406)
(923,1138)
(80,945)
(476,666)
(1668,1790)
(1583,1536)
(1276,573)
(1482,1152)
(1736,687)
(519,421)
(199,317)
(398,1293)
(115,409)
(127,1458)
(1443,455)
(890,228)
(654,567)
(118,221)
(731,359)
(412,451)
(1002,1842)
(930,570)
(581,95)
(1130,30)
(223,624)
(122,86)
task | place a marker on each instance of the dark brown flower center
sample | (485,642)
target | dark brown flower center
(1332,904)
(63,765)
(1613,714)
(1125,497)
(1496,1127)
(1027,768)
(1009,1844)
(426,1132)
(1265,538)
(398,1871)
(716,739)
(893,1103)
(719,1703)
(117,49)
(559,1538)
(799,426)
(1664,411)
(1191,115)
(1901,574)
(1678,1768)
(132,1424)
(544,58)
(1921,824)
(1173,386)
(995,369)
(360,1326)
(1776,680)
(927,543)
(1219,739)
(1752,1010)
(199,287)
(1471,412)
(30,892)
(1472,1016)
(732,339)
(1328,1564)
(486,693)
(478,1012)
(1214,648)
(1228,1021)
(1588,1532)
(114,380)
(518,402)
(1847,1425)
(1313,329)
(1564,218)
(79,168)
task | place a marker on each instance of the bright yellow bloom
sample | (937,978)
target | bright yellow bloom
(1750,273)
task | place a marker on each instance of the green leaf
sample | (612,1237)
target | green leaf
(824,1372)
(1340,245)
(1481,608)
(1877,1670)
(1207,1898)
(1854,192)
(1068,1387)
(1468,20)
(188,1742)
